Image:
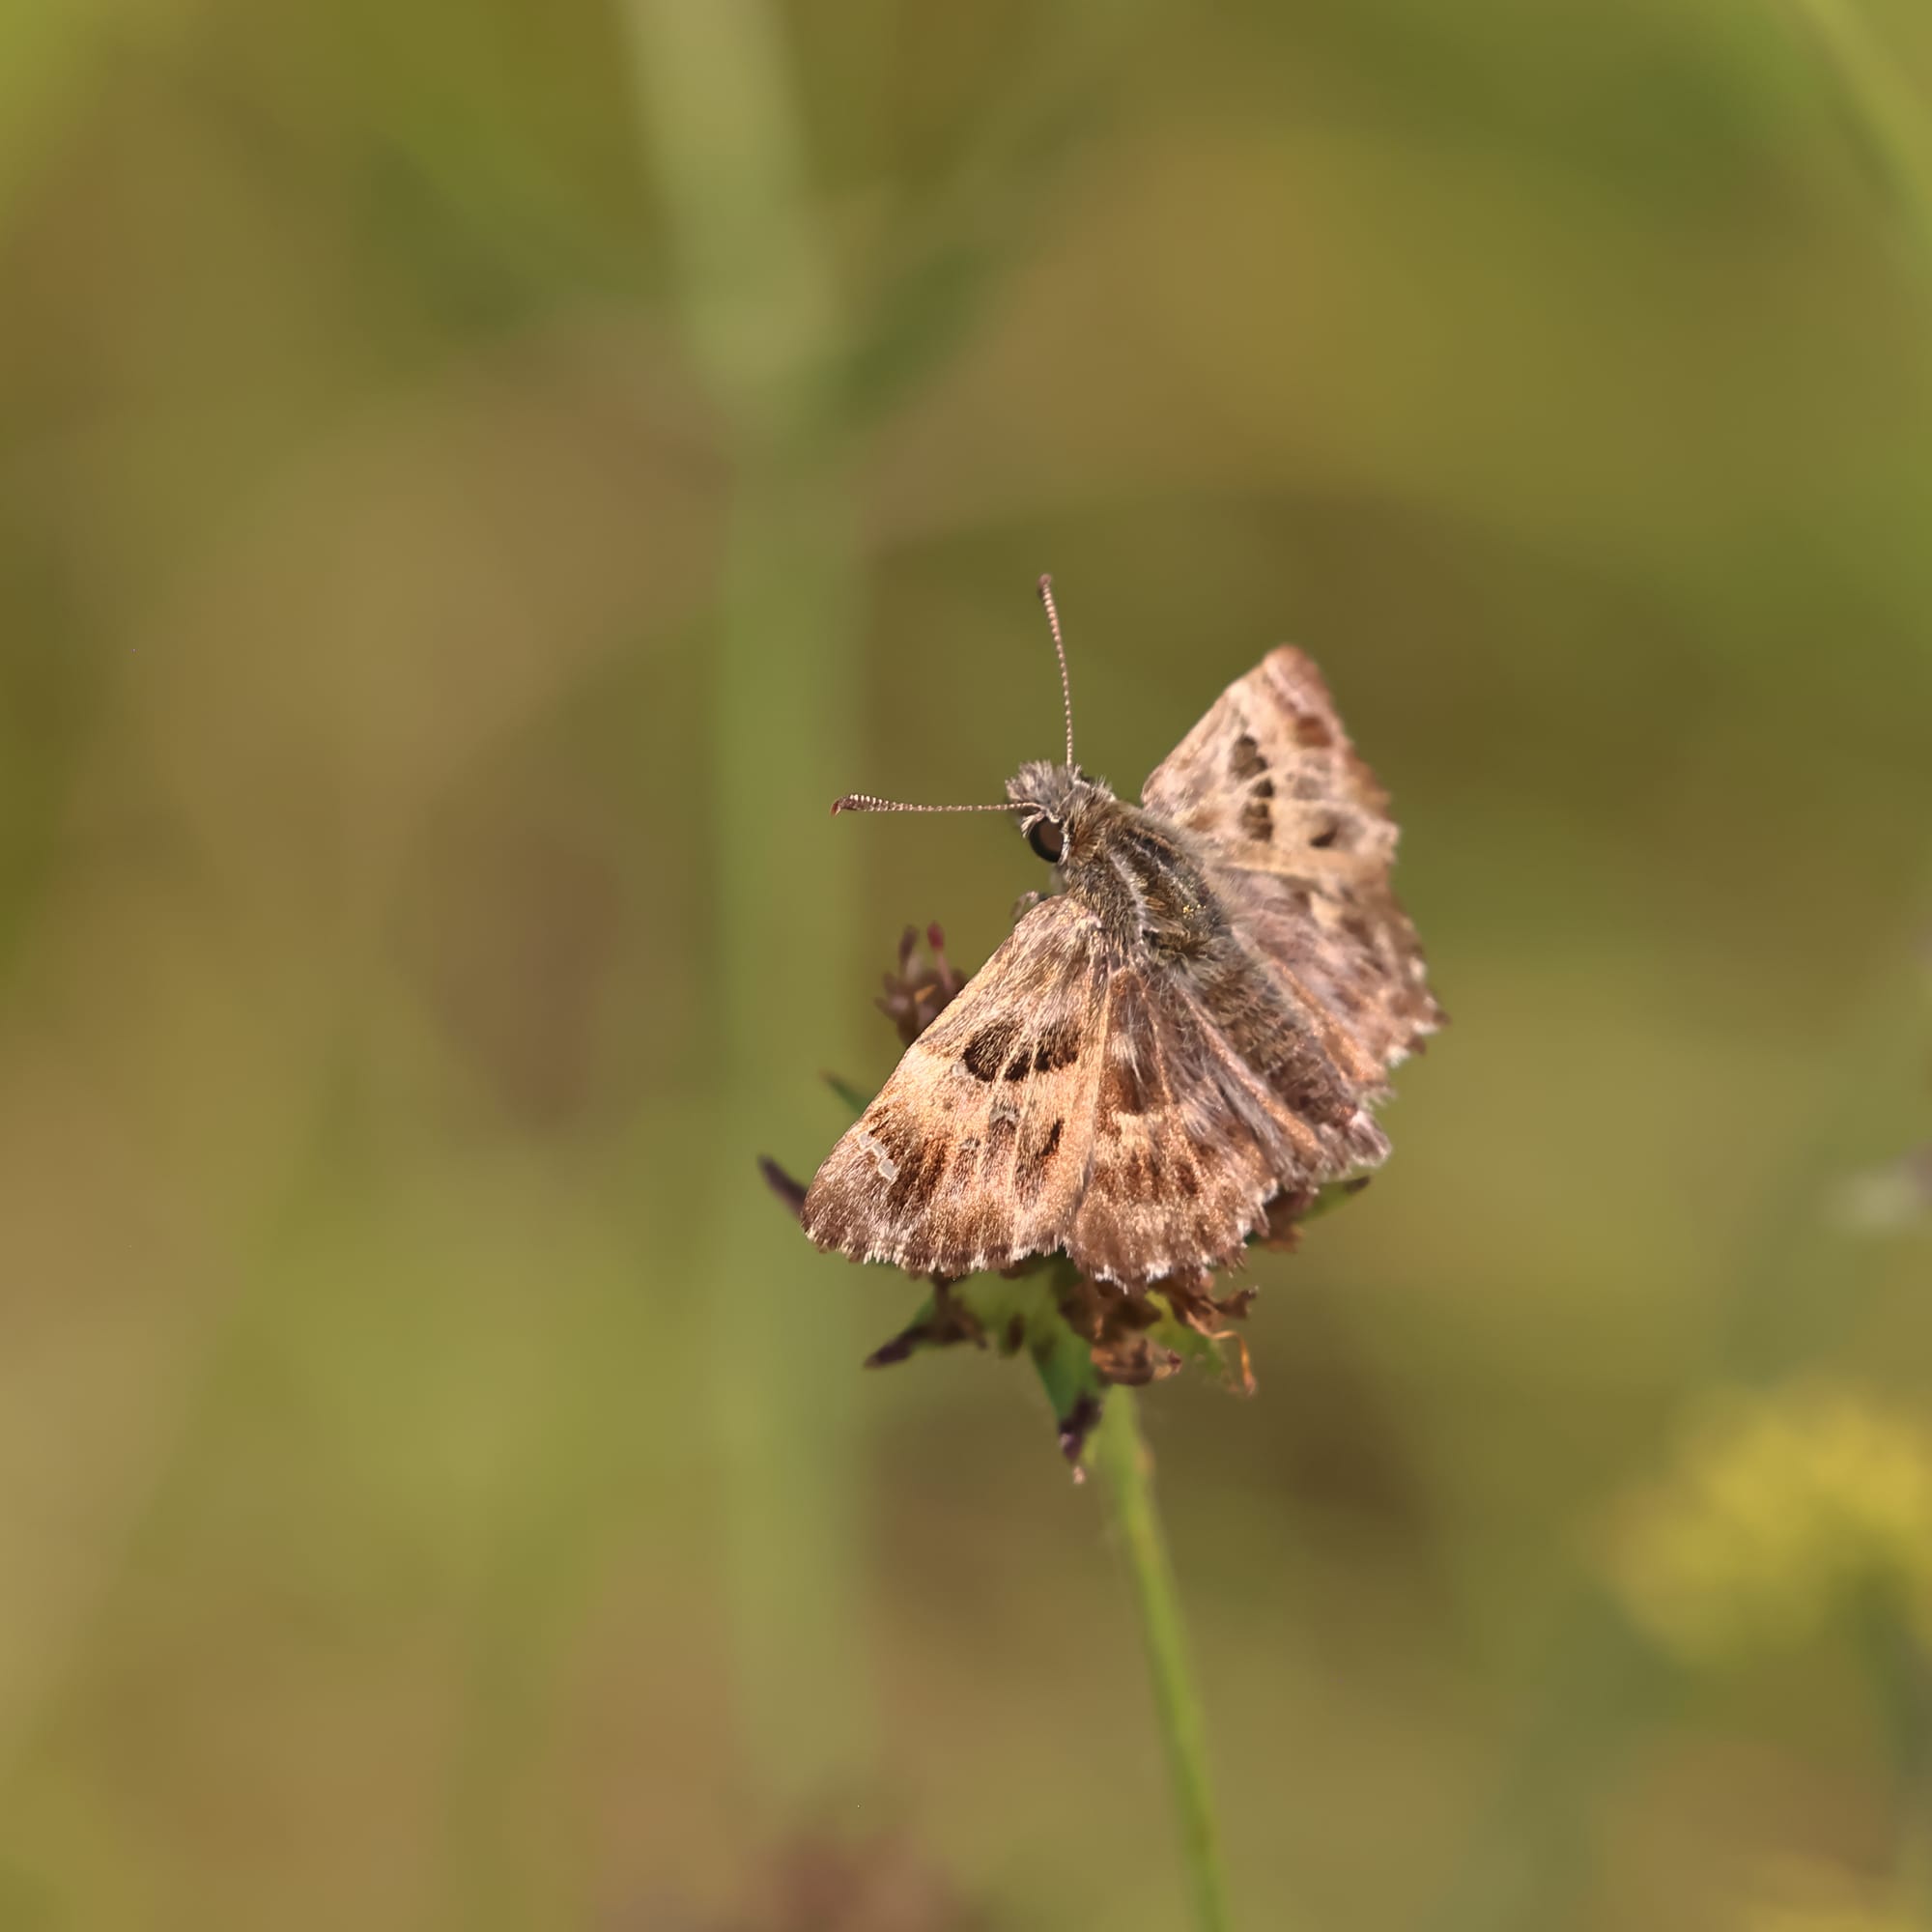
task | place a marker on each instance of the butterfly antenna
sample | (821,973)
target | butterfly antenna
(1059,651)
(864,801)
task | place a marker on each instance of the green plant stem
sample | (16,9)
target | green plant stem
(712,79)
(1900,1672)
(1118,1457)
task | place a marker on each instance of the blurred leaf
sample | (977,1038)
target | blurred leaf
(947,246)
(49,51)
(495,160)
(1890,127)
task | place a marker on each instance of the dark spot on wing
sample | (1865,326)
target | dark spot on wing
(1258,820)
(1037,1146)
(1327,836)
(1244,758)
(986,1051)
(918,1180)
(1131,1081)
(1120,1089)
(1018,1067)
(1262,788)
(1311,731)
(892,1131)
(964,1166)
(1058,1046)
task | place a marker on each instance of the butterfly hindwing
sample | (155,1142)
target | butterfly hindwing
(1270,778)
(1189,1143)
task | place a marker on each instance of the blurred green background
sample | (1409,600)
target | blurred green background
(478,480)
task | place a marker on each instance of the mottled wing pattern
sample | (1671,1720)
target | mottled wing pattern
(1300,842)
(974,1153)
(1201,1121)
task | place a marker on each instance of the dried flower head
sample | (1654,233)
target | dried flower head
(923,986)
(881,1885)
(816,1883)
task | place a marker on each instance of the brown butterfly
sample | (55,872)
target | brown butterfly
(1197,1024)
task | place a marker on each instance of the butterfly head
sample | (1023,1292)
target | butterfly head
(1051,801)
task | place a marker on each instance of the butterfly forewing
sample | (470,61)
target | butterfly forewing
(974,1153)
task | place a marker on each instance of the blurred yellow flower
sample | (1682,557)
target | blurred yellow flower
(1839,1917)
(1784,1510)
(1803,1897)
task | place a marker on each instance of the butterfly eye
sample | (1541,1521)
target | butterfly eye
(1047,839)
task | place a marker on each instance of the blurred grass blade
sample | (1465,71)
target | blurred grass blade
(954,240)
(713,87)
(714,96)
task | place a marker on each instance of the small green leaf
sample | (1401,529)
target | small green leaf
(847,1091)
